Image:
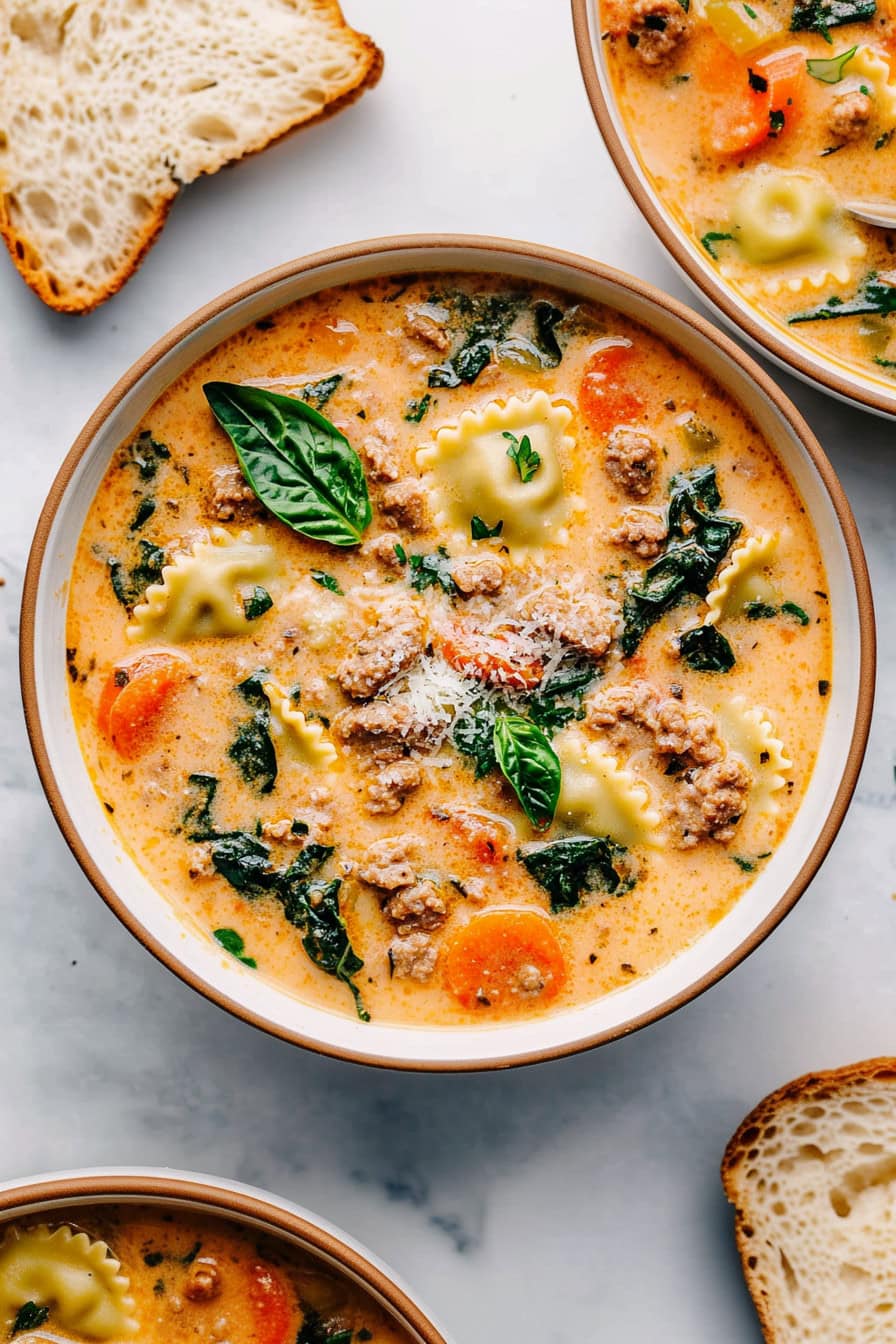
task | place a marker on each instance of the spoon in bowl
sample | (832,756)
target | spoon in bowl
(882,214)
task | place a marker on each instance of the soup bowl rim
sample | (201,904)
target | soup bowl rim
(791,354)
(65,1191)
(479,251)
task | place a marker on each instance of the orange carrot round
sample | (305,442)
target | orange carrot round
(752,100)
(271,1304)
(501,659)
(504,957)
(134,697)
(607,395)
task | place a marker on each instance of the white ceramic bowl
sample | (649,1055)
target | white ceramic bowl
(873,393)
(154,921)
(59,1194)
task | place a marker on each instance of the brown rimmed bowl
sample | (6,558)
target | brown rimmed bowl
(769,336)
(59,1195)
(154,921)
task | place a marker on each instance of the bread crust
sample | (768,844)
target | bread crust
(369,68)
(820,1086)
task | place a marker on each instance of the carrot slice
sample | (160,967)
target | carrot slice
(752,101)
(504,957)
(271,1304)
(134,697)
(607,395)
(502,659)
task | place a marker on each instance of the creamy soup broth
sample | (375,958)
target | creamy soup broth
(401,655)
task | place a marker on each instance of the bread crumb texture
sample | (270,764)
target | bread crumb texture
(107,107)
(812,1176)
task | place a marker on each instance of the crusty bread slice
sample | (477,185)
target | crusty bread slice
(108,106)
(812,1176)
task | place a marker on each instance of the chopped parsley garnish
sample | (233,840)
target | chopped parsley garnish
(480,530)
(232,942)
(523,456)
(326,581)
(257,603)
(710,239)
(883,140)
(415,410)
(429,570)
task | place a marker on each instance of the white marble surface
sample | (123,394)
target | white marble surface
(574,1201)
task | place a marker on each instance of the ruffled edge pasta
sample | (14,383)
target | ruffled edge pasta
(622,806)
(109,1317)
(207,575)
(750,556)
(307,738)
(495,417)
(869,66)
(750,732)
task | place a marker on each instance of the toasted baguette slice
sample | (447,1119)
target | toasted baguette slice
(108,106)
(812,1176)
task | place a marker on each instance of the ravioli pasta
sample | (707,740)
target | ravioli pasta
(505,713)
(79,1280)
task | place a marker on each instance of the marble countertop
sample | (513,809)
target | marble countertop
(573,1201)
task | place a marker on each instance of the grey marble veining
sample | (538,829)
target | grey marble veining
(572,1201)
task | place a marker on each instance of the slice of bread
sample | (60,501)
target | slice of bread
(107,107)
(812,1176)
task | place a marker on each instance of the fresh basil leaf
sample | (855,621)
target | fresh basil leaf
(313,907)
(252,752)
(568,868)
(873,296)
(831,70)
(480,530)
(326,581)
(530,765)
(29,1317)
(415,410)
(197,819)
(706,650)
(817,16)
(428,570)
(232,942)
(523,456)
(258,602)
(298,464)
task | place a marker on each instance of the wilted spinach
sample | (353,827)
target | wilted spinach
(130,584)
(569,867)
(873,296)
(705,649)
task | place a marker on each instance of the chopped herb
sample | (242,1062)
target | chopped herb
(142,514)
(776,121)
(710,239)
(159,1287)
(568,868)
(153,1259)
(197,819)
(685,4)
(29,1317)
(757,82)
(746,865)
(750,12)
(831,70)
(796,612)
(885,363)
(473,735)
(823,687)
(146,453)
(817,16)
(699,539)
(191,1253)
(326,581)
(706,650)
(130,585)
(252,689)
(558,699)
(257,603)
(428,570)
(480,530)
(232,942)
(523,456)
(873,296)
(318,394)
(313,907)
(415,410)
(759,611)
(252,752)
(547,319)
(530,765)
(401,553)
(314,1331)
(883,140)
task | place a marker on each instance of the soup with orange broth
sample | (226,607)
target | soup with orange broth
(448,649)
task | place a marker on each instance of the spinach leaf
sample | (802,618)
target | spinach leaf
(570,867)
(480,530)
(832,70)
(252,689)
(530,765)
(486,319)
(232,942)
(873,296)
(817,16)
(473,735)
(130,585)
(698,541)
(29,1317)
(558,699)
(415,410)
(244,861)
(759,611)
(197,819)
(291,884)
(319,393)
(791,609)
(326,581)
(428,570)
(547,319)
(258,602)
(523,456)
(142,514)
(710,239)
(314,1331)
(252,752)
(298,464)
(706,650)
(146,453)
(313,906)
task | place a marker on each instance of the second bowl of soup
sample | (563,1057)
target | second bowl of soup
(447,655)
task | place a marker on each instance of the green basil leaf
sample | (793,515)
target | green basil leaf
(298,464)
(530,765)
(830,71)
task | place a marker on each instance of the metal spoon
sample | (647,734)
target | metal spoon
(882,214)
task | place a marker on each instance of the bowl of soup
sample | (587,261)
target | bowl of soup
(759,142)
(169,1257)
(447,653)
